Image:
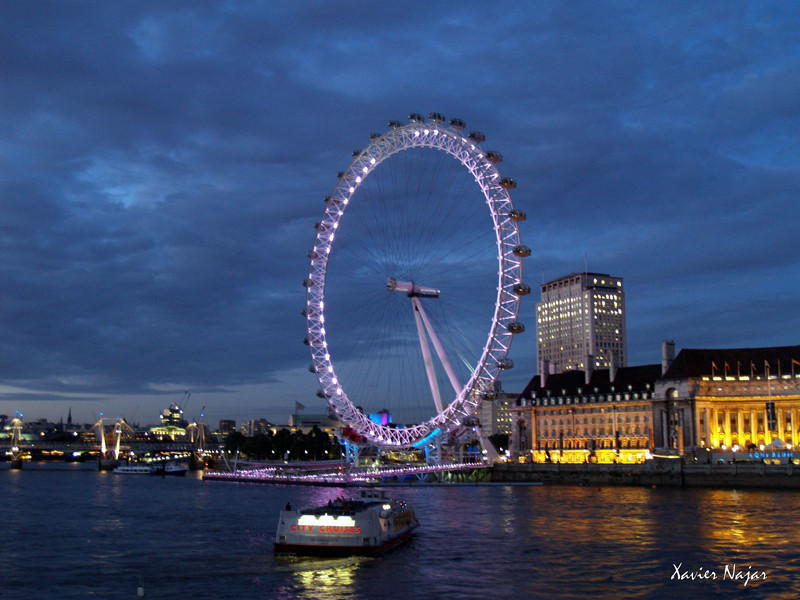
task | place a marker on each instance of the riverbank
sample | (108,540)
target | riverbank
(668,473)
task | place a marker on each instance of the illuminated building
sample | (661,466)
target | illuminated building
(383,417)
(728,399)
(257,427)
(723,404)
(580,322)
(173,425)
(173,416)
(600,416)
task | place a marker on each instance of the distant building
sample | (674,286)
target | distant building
(172,426)
(257,427)
(41,427)
(323,421)
(227,426)
(173,417)
(580,323)
(494,413)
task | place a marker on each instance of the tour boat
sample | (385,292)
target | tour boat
(134,469)
(154,469)
(370,524)
(170,468)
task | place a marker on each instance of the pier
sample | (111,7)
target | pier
(666,473)
(341,475)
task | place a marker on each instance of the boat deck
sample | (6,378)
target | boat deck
(340,508)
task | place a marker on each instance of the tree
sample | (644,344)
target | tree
(318,443)
(282,442)
(234,441)
(259,446)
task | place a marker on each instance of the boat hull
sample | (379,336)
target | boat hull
(338,551)
(176,471)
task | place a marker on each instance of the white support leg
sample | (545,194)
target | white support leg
(426,355)
(451,374)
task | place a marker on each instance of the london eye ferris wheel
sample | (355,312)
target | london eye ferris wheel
(414,283)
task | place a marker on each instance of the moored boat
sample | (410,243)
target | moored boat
(170,468)
(134,469)
(370,525)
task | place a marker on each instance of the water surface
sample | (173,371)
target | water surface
(70,531)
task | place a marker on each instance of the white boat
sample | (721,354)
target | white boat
(370,524)
(134,469)
(170,468)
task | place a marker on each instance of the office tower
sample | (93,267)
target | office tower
(580,323)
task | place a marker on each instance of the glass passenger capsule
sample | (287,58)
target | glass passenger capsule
(508,183)
(515,327)
(522,251)
(494,157)
(521,289)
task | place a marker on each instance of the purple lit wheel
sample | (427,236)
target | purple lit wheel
(412,297)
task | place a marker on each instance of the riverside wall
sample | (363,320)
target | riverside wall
(669,473)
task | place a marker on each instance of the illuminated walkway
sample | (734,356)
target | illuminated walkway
(342,476)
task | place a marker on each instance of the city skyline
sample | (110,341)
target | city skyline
(163,167)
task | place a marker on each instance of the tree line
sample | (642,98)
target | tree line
(284,444)
(316,444)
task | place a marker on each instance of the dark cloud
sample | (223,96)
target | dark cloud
(161,166)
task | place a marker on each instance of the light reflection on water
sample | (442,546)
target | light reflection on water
(76,532)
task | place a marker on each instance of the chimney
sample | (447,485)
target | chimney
(667,355)
(544,370)
(612,370)
(589,367)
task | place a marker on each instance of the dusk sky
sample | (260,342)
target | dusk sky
(163,164)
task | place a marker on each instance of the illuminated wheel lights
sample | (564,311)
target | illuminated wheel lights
(434,134)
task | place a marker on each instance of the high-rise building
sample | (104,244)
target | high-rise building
(580,323)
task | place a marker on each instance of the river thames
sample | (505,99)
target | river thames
(70,531)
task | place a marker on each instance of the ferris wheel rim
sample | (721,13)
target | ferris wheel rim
(466,149)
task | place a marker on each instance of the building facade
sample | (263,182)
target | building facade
(600,416)
(723,404)
(580,323)
(495,414)
(728,400)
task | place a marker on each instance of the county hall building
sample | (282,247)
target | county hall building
(703,404)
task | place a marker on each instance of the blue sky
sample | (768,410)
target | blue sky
(163,165)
